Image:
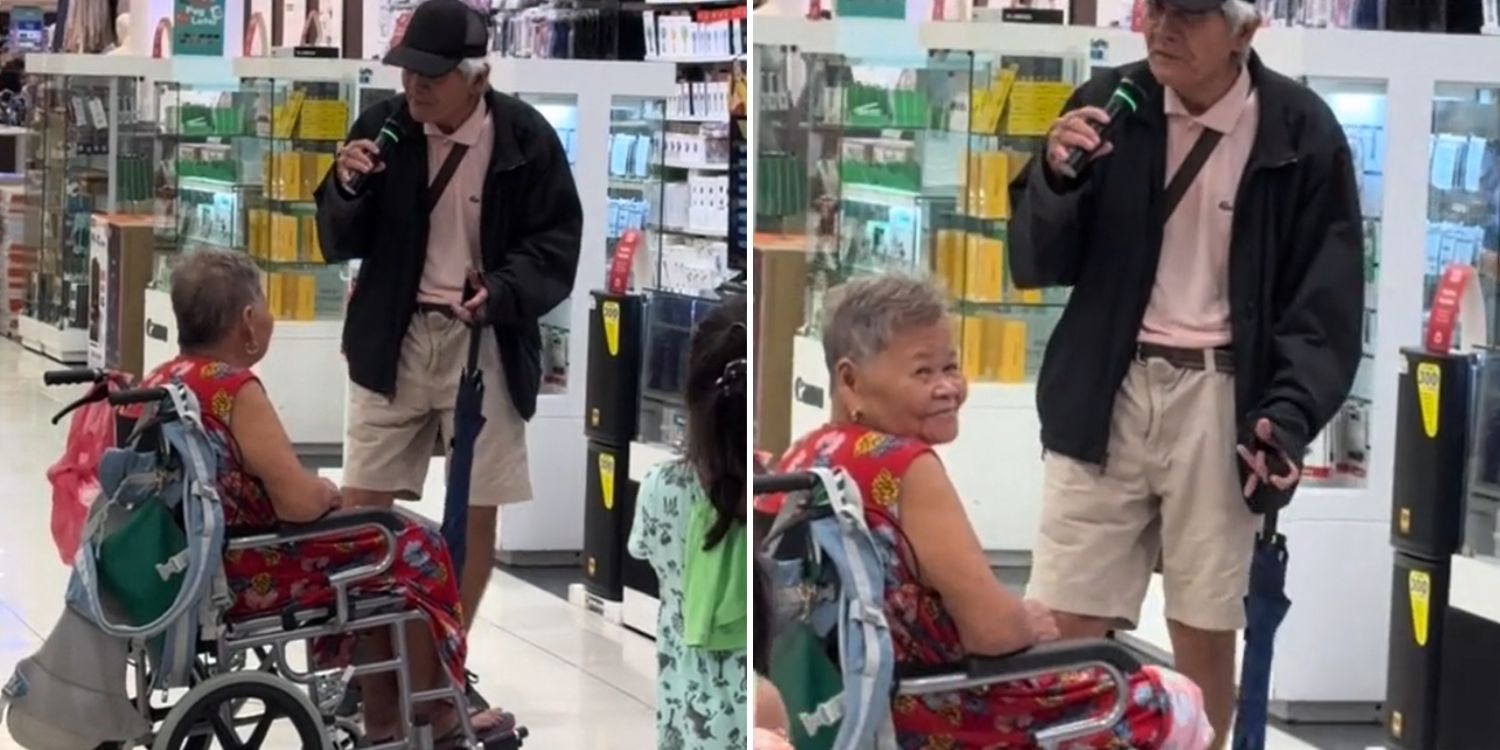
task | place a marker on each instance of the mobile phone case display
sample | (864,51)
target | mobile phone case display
(1339,456)
(298,126)
(89,155)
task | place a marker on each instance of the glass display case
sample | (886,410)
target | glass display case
(241,162)
(881,165)
(670,321)
(557,325)
(88,153)
(1340,455)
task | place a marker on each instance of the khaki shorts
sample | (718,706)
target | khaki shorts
(1169,492)
(392,441)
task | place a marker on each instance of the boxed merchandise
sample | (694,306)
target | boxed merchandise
(312,252)
(283,238)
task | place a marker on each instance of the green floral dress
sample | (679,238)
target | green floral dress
(701,696)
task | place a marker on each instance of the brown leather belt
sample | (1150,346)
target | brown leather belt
(424,308)
(1219,360)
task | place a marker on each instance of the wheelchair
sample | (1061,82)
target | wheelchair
(828,578)
(198,678)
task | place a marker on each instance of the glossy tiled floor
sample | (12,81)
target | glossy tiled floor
(575,681)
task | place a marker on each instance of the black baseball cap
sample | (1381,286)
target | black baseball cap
(440,34)
(1194,6)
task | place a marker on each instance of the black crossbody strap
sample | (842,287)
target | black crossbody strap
(445,175)
(1189,170)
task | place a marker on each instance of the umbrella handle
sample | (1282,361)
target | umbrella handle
(1268,527)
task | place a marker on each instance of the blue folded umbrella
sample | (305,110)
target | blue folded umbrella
(1266,606)
(468,421)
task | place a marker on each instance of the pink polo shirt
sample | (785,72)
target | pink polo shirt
(1189,305)
(453,236)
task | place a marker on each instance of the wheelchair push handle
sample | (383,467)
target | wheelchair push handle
(74,376)
(138,396)
(767,484)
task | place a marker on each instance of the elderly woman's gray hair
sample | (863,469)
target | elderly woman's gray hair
(862,316)
(210,291)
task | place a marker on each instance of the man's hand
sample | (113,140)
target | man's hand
(333,498)
(1043,624)
(472,311)
(357,157)
(1262,467)
(1072,130)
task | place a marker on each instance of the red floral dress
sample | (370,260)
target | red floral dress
(273,580)
(924,634)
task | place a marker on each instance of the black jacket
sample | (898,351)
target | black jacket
(530,227)
(1296,279)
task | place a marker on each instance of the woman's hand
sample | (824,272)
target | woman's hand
(333,497)
(1043,624)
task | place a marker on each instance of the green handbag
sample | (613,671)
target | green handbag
(811,687)
(141,564)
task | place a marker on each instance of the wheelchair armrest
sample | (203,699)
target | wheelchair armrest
(346,521)
(1055,657)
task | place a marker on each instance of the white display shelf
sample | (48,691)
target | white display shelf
(699,167)
(67,346)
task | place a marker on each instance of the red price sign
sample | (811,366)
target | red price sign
(1447,305)
(619,267)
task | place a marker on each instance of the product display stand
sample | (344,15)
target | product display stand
(1384,88)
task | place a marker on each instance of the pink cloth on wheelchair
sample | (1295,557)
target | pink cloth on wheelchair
(1187,725)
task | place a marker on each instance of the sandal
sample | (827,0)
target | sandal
(505,723)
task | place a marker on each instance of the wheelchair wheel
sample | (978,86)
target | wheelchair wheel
(240,710)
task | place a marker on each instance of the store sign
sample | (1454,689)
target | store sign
(198,28)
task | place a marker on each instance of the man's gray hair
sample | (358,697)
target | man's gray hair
(473,67)
(210,291)
(1240,14)
(862,316)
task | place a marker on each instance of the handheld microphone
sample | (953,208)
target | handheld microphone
(391,132)
(1126,99)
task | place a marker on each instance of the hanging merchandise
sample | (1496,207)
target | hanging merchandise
(560,33)
(89,27)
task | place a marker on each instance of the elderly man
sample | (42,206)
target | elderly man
(469,222)
(1214,246)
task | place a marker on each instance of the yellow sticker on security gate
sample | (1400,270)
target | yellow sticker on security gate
(1419,588)
(1428,392)
(1396,724)
(607,480)
(611,315)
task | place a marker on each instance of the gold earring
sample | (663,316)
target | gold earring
(857,415)
(252,348)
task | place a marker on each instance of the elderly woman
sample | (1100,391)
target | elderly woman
(897,390)
(224,329)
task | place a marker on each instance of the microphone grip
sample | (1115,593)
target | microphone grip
(357,181)
(1078,158)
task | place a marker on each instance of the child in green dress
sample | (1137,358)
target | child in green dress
(690,526)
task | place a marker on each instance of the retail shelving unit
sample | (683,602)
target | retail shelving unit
(242,151)
(1384,87)
(88,155)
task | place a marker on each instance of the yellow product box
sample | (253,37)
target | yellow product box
(948,263)
(1034,105)
(972,348)
(1013,352)
(275,294)
(323,120)
(315,167)
(306,297)
(259,221)
(983,269)
(291,176)
(312,252)
(1030,296)
(283,238)
(995,199)
(284,117)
